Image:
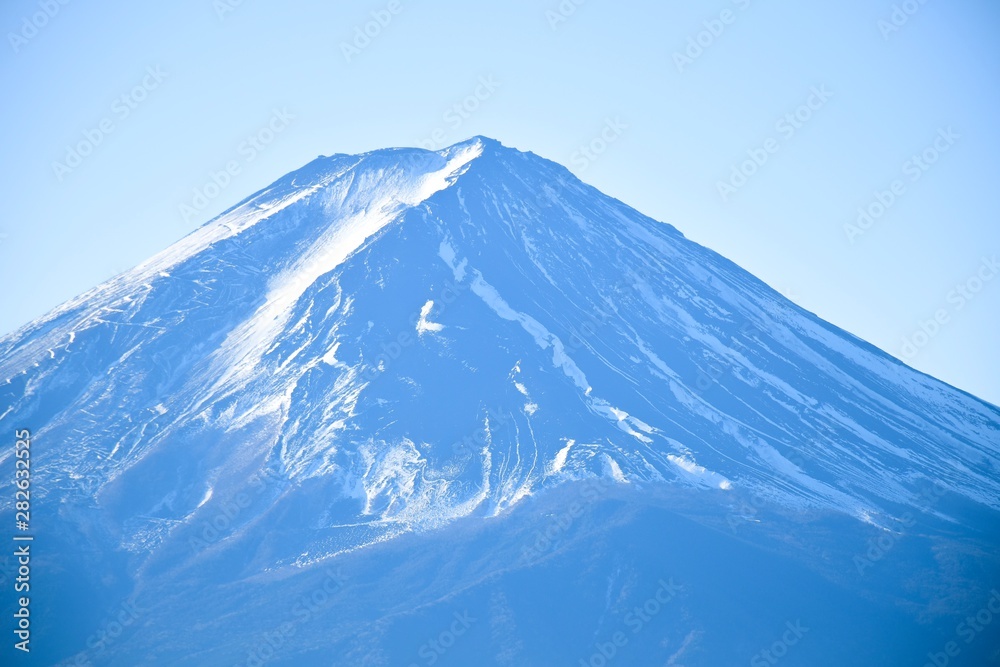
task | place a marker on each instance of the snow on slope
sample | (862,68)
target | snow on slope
(406,337)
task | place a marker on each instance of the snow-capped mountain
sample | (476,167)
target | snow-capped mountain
(403,349)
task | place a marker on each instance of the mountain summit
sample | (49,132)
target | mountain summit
(440,374)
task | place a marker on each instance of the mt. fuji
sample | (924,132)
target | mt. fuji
(459,408)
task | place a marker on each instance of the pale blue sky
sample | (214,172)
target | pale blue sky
(550,87)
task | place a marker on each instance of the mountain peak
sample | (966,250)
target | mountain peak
(611,307)
(391,342)
(486,142)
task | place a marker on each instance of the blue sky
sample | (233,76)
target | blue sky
(757,128)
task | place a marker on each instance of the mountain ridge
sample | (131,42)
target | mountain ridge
(398,343)
(270,201)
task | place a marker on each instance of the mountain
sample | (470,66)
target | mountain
(459,408)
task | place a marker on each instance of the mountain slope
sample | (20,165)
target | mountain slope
(408,341)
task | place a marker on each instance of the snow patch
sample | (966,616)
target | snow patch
(560,460)
(613,470)
(699,474)
(447,253)
(330,358)
(542,336)
(423,324)
(355,223)
(207,497)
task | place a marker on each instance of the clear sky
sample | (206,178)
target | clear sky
(891,101)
